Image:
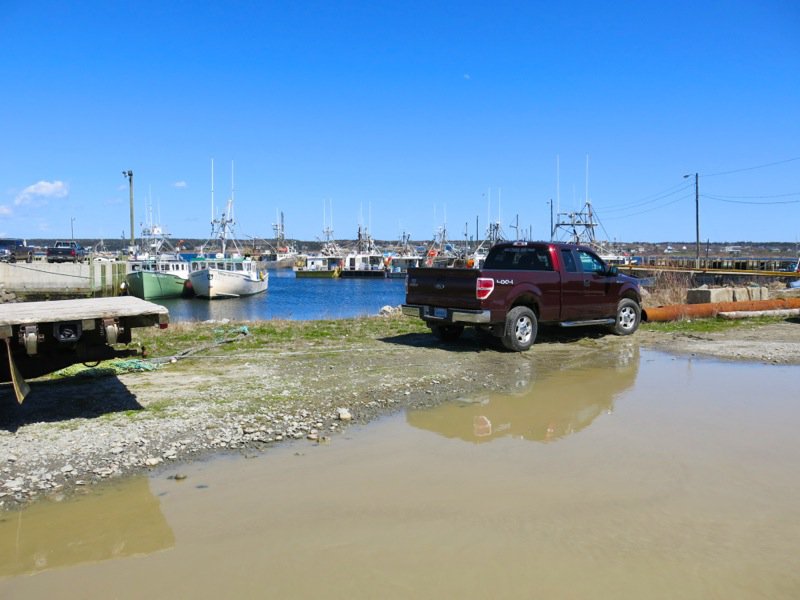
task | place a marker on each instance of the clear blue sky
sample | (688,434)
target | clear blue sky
(401,115)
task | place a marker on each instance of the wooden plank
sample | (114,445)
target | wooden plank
(52,311)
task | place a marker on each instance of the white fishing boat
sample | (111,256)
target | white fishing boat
(403,258)
(225,274)
(325,264)
(366,260)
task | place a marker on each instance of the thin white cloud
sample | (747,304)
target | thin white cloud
(467,76)
(42,190)
(180,184)
(4,210)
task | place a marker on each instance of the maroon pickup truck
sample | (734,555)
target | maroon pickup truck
(521,285)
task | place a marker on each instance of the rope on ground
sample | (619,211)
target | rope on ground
(140,365)
(232,335)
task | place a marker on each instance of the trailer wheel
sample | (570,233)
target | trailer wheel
(520,330)
(629,315)
(447,333)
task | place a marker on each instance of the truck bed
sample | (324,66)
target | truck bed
(144,313)
(450,287)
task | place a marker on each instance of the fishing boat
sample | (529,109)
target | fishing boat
(225,274)
(319,267)
(326,264)
(397,265)
(159,278)
(157,270)
(399,261)
(366,260)
(282,254)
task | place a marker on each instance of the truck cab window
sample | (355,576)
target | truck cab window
(519,259)
(590,263)
(569,261)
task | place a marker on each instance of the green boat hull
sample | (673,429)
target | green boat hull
(150,286)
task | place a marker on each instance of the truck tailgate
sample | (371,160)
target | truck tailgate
(454,288)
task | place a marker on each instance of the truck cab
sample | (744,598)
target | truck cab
(15,250)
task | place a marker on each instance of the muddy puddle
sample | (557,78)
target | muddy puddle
(638,476)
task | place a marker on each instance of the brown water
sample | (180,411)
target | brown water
(646,477)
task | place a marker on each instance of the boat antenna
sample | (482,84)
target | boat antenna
(558,185)
(212,193)
(587,177)
(499,205)
(233,191)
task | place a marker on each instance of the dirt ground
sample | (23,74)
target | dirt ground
(75,432)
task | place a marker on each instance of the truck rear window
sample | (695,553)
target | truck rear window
(519,259)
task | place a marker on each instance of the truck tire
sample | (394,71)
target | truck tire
(629,315)
(447,333)
(520,331)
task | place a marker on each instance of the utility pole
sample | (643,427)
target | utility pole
(129,176)
(550,202)
(696,217)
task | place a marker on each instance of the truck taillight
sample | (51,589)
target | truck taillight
(484,287)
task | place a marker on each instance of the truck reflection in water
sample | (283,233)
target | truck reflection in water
(548,405)
(119,521)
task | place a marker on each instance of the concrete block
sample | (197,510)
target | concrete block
(706,295)
(744,294)
(741,294)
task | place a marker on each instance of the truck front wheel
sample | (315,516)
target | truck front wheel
(447,333)
(629,315)
(521,327)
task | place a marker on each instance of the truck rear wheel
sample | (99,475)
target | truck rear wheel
(447,333)
(629,315)
(521,328)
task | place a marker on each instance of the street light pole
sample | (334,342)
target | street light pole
(72,228)
(129,176)
(696,217)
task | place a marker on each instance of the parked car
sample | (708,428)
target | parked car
(13,250)
(66,252)
(521,285)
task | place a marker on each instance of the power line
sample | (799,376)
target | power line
(723,199)
(651,198)
(651,209)
(719,197)
(772,164)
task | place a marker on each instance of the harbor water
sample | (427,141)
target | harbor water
(295,299)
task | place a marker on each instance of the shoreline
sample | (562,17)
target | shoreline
(220,389)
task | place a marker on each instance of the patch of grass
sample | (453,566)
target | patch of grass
(270,335)
(710,325)
(159,408)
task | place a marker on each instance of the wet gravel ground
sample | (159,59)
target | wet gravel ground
(72,433)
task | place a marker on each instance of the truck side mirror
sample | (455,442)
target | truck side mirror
(612,271)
